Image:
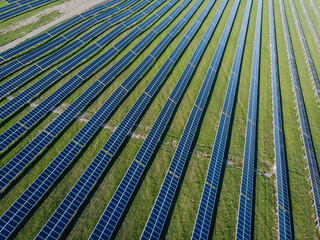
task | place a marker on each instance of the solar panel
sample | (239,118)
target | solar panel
(14,12)
(304,44)
(304,127)
(211,185)
(247,179)
(127,124)
(63,159)
(244,218)
(8,7)
(117,204)
(30,93)
(45,48)
(114,141)
(63,119)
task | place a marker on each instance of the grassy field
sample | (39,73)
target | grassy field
(181,218)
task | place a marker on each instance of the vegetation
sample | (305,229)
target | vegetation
(183,213)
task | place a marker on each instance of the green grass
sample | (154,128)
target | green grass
(183,212)
(3,3)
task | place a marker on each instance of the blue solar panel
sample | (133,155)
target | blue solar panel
(9,68)
(32,55)
(87,131)
(308,59)
(67,66)
(15,103)
(8,171)
(23,205)
(23,46)
(244,218)
(244,221)
(121,197)
(202,225)
(7,137)
(16,81)
(14,12)
(58,55)
(72,149)
(284,223)
(8,7)
(283,206)
(65,25)
(161,207)
(211,185)
(94,11)
(106,225)
(123,129)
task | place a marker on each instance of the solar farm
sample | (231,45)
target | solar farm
(160,119)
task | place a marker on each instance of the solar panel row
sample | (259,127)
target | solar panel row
(207,203)
(303,120)
(27,200)
(34,90)
(26,155)
(121,197)
(21,2)
(32,55)
(306,51)
(28,44)
(247,178)
(315,9)
(94,170)
(313,30)
(15,131)
(21,9)
(9,7)
(283,206)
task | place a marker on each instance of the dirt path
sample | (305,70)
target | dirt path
(67,10)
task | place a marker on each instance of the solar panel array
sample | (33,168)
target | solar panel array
(15,131)
(34,90)
(121,197)
(313,30)
(205,211)
(96,167)
(19,1)
(303,119)
(306,51)
(169,186)
(23,8)
(31,151)
(244,221)
(74,41)
(283,201)
(13,4)
(31,56)
(30,43)
(17,212)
